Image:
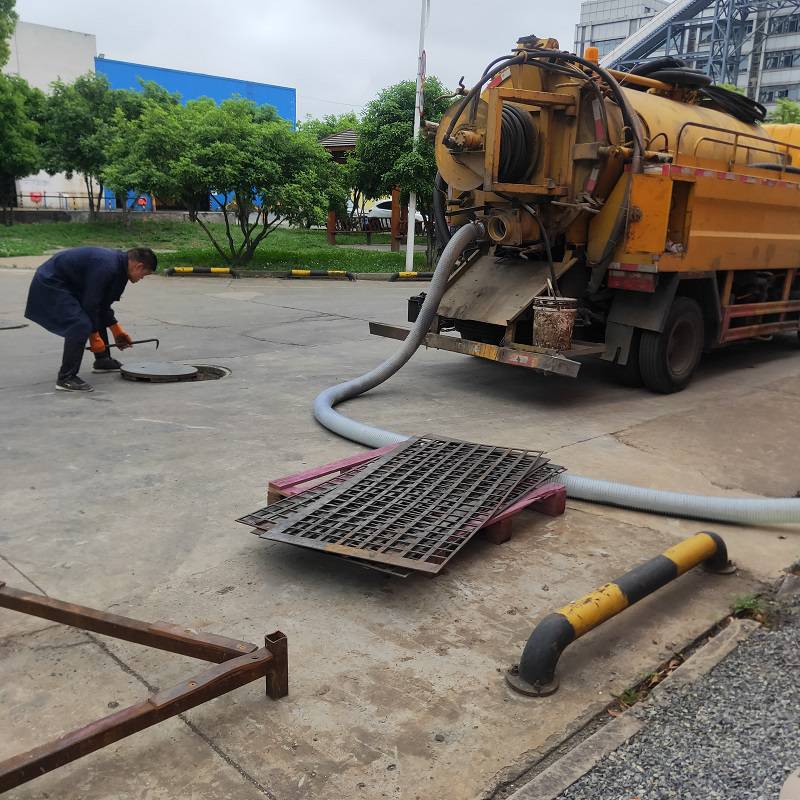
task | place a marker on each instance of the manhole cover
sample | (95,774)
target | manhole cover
(158,372)
(11,324)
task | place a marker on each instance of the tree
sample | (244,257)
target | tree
(75,131)
(329,124)
(19,153)
(257,170)
(786,111)
(415,171)
(385,154)
(8,21)
(351,205)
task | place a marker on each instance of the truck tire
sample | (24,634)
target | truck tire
(668,359)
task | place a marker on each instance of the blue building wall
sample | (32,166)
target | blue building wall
(191,85)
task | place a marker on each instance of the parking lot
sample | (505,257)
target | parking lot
(125,499)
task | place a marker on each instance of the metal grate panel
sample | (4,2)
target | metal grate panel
(413,508)
(262,520)
(265,518)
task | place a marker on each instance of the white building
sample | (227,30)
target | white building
(606,23)
(41,55)
(774,72)
(769,67)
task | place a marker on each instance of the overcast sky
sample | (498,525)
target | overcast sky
(337,55)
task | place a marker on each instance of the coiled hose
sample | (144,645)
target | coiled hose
(745,511)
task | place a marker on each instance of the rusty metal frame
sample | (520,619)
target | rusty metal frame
(238,663)
(534,491)
(531,357)
(546,102)
(779,308)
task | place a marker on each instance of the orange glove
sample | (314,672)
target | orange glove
(121,338)
(96,343)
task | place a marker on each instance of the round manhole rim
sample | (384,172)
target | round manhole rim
(210,372)
(183,372)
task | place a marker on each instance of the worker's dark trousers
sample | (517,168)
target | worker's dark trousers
(73,355)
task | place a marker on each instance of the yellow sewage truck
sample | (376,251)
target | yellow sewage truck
(651,210)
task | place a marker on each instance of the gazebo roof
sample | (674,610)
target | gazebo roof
(341,142)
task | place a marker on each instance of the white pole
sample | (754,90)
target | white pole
(412,200)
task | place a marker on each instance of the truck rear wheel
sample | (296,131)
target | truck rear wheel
(668,359)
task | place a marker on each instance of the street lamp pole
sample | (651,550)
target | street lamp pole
(425,8)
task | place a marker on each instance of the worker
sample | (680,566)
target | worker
(71,295)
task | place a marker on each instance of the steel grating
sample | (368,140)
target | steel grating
(262,520)
(413,508)
(265,518)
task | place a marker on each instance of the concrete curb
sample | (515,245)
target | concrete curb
(791,789)
(560,775)
(553,780)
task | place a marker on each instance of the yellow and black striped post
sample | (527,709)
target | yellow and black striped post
(321,273)
(411,276)
(536,672)
(202,271)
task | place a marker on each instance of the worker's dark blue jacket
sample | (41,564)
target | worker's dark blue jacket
(72,292)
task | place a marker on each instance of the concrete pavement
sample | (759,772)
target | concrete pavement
(125,499)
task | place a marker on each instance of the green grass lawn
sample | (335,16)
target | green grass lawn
(283,249)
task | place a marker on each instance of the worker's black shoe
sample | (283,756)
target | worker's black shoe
(106,364)
(75,384)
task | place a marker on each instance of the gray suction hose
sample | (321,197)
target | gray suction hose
(324,403)
(741,510)
(745,511)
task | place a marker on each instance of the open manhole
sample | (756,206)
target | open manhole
(170,372)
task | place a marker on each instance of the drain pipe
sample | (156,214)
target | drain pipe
(745,511)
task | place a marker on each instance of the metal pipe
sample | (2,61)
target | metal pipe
(640,80)
(535,674)
(136,341)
